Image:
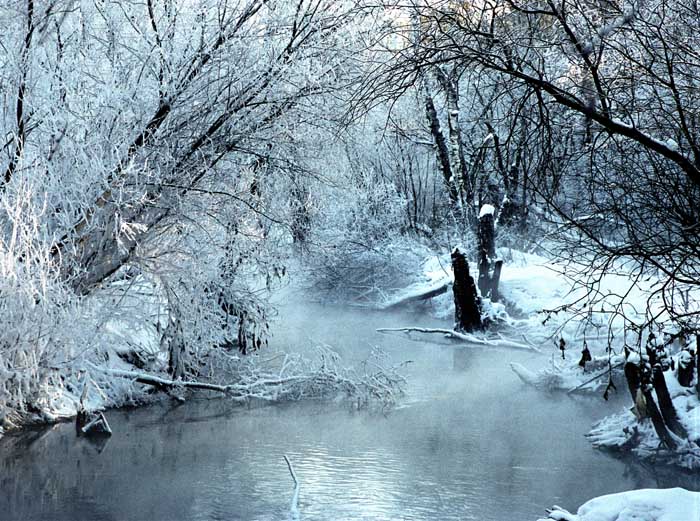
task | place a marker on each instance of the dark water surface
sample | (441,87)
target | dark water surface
(469,442)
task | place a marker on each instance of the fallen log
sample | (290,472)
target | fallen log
(240,392)
(164,383)
(426,294)
(604,373)
(462,337)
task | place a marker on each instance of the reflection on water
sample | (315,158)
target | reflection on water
(470,443)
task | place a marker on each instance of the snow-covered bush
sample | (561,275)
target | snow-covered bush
(362,245)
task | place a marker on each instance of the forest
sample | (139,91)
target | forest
(350,259)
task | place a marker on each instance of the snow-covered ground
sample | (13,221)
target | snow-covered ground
(535,311)
(675,504)
(622,432)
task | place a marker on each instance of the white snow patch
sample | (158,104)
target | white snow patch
(487,209)
(674,504)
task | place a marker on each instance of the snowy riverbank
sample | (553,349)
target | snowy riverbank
(128,362)
(536,311)
(674,504)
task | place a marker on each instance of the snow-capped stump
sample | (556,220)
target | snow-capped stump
(489,266)
(674,504)
(686,368)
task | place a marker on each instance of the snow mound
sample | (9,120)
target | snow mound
(487,209)
(675,504)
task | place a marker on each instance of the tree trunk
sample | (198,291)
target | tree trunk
(686,368)
(467,303)
(657,420)
(632,377)
(449,81)
(443,154)
(487,252)
(697,364)
(495,280)
(668,411)
(634,384)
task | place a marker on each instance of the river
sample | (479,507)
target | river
(468,442)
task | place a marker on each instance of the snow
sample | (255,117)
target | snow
(536,292)
(675,504)
(487,209)
(622,432)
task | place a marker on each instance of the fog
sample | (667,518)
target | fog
(469,441)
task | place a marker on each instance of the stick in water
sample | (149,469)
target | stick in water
(294,508)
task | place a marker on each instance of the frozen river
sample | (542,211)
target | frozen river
(469,441)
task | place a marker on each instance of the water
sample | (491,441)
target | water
(469,441)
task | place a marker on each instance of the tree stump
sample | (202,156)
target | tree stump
(467,302)
(489,267)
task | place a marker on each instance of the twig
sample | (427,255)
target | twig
(294,508)
(595,377)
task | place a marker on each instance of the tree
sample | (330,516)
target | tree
(622,186)
(147,139)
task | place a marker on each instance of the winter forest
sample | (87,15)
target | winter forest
(350,260)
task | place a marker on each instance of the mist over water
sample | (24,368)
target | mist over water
(468,441)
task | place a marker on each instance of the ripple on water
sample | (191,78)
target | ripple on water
(468,442)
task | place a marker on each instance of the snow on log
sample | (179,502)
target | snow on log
(461,337)
(419,294)
(527,376)
(486,209)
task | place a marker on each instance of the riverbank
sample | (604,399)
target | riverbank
(543,308)
(674,504)
(447,451)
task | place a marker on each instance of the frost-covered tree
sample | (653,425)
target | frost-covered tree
(145,152)
(593,115)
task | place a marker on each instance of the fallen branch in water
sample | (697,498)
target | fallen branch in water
(294,508)
(163,383)
(98,425)
(462,337)
(425,294)
(289,379)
